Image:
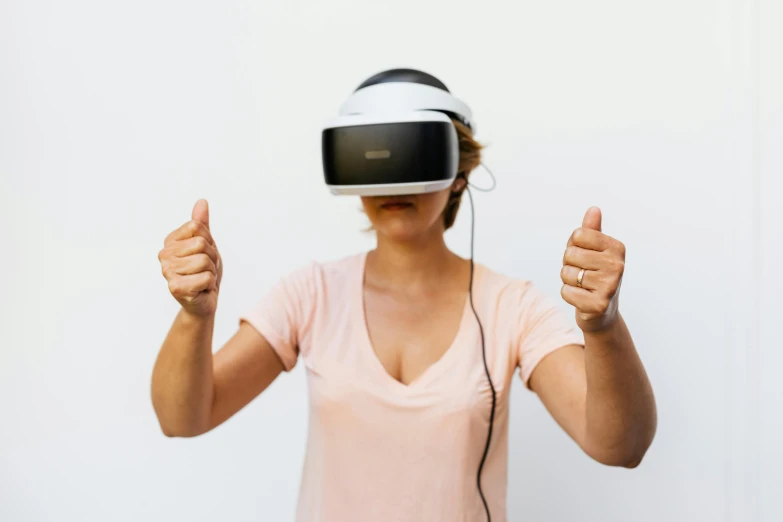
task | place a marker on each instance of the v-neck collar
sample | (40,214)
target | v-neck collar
(435,369)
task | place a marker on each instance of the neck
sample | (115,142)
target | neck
(415,265)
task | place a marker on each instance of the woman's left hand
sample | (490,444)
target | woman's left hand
(593,267)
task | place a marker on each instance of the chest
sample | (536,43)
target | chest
(411,335)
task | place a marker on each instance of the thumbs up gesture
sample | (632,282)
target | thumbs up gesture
(191,263)
(593,267)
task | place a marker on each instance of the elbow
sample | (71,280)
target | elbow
(628,454)
(171,434)
(632,460)
(626,449)
(173,424)
(178,422)
(619,459)
(181,432)
(169,431)
(634,463)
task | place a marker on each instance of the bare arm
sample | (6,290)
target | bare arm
(601,396)
(182,378)
(193,391)
(243,368)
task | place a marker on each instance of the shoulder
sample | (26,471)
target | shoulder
(535,320)
(315,276)
(509,295)
(300,292)
(498,286)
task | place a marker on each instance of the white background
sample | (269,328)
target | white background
(116,116)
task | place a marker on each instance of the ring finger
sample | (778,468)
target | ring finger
(570,276)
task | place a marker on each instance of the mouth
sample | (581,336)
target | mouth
(396,204)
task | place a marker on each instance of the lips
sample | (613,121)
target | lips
(396,204)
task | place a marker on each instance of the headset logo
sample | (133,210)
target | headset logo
(377,154)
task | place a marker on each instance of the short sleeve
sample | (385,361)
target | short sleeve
(284,312)
(543,327)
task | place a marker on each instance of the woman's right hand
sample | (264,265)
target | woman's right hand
(191,264)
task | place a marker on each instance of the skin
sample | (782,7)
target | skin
(600,394)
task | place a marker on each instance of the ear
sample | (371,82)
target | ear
(459,183)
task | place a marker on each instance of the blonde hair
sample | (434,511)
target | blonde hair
(469,159)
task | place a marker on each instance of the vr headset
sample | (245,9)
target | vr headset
(394,136)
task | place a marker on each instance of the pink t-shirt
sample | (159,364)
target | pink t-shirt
(382,451)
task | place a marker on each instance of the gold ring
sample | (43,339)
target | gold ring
(579,278)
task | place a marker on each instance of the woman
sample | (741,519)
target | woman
(400,403)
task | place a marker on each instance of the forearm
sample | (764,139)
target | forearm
(182,379)
(620,406)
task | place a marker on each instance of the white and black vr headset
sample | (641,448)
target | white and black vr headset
(394,135)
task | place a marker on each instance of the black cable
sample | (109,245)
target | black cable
(483,355)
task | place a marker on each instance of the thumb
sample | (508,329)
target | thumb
(592,219)
(201,212)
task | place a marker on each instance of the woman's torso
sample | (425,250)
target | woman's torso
(379,449)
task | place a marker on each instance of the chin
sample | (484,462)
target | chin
(400,230)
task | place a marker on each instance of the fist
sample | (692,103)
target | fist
(593,267)
(192,265)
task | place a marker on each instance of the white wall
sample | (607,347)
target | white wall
(769,275)
(115,117)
